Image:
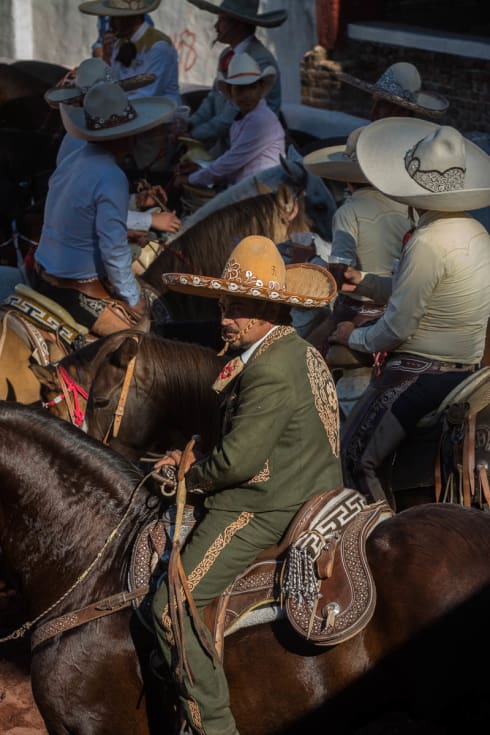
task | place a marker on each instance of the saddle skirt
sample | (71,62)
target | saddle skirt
(327,535)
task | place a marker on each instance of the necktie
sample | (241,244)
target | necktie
(224,60)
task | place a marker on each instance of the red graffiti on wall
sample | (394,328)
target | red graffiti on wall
(185,43)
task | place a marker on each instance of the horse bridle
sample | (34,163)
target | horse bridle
(118,414)
(71,392)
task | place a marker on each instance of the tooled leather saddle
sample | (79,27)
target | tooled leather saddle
(318,575)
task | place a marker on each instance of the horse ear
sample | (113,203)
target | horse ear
(262,187)
(46,374)
(124,353)
(287,201)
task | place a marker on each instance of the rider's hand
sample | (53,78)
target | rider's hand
(165,221)
(352,278)
(342,333)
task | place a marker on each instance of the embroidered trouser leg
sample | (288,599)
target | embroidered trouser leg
(223,545)
(390,409)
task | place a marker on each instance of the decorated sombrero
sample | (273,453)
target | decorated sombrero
(424,165)
(244,10)
(90,72)
(401,84)
(118,7)
(256,270)
(338,162)
(108,114)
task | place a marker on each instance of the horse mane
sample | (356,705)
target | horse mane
(62,442)
(204,247)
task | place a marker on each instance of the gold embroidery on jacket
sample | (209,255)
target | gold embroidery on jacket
(271,338)
(264,475)
(216,548)
(325,396)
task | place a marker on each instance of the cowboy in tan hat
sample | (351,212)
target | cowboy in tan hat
(433,329)
(235,26)
(83,260)
(279,447)
(367,229)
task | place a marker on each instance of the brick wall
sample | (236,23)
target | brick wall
(464,81)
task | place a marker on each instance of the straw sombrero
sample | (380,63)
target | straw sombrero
(244,10)
(338,162)
(118,7)
(244,70)
(92,71)
(108,114)
(255,270)
(424,165)
(401,84)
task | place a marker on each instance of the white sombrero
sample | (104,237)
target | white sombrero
(424,165)
(244,10)
(92,71)
(108,114)
(338,162)
(255,270)
(118,7)
(244,70)
(401,84)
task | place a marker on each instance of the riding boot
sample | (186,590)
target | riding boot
(386,437)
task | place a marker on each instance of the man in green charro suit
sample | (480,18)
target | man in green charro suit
(279,447)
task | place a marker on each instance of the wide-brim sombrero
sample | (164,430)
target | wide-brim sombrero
(271,19)
(333,163)
(308,286)
(118,7)
(423,103)
(74,96)
(150,112)
(381,150)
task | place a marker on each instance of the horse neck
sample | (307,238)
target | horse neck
(51,529)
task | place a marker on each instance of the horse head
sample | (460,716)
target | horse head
(149,394)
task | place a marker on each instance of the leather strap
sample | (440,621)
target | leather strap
(96,610)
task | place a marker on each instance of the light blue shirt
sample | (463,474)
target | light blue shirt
(257,141)
(84,233)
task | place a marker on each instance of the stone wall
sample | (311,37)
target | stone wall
(464,81)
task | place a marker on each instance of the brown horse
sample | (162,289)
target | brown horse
(204,248)
(64,494)
(160,390)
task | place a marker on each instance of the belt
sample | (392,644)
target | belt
(416,364)
(93,289)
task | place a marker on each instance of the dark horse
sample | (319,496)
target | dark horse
(62,497)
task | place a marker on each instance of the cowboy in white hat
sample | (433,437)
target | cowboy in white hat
(83,260)
(257,138)
(235,26)
(367,229)
(279,447)
(398,92)
(91,72)
(433,330)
